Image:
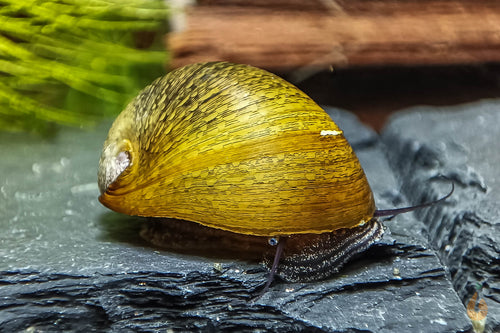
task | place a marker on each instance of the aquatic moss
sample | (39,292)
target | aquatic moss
(72,62)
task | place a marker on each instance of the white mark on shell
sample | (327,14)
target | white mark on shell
(329,132)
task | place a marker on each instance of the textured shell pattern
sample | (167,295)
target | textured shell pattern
(236,148)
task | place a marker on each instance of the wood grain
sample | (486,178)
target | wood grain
(290,34)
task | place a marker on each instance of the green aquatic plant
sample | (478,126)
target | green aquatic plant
(72,62)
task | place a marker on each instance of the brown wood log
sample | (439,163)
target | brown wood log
(292,34)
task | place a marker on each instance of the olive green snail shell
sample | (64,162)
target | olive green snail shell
(236,148)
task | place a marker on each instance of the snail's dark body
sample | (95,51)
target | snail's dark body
(307,257)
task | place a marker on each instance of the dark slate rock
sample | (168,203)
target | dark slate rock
(68,264)
(462,144)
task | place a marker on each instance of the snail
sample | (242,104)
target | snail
(236,148)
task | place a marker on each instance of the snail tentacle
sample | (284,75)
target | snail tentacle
(274,268)
(397,211)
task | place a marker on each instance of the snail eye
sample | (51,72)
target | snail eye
(273,241)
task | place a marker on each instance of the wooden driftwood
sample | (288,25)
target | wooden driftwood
(293,34)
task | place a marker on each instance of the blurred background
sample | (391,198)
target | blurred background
(74,62)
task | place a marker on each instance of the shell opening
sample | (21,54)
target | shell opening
(113,168)
(122,162)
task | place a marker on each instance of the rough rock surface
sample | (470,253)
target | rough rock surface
(462,144)
(68,264)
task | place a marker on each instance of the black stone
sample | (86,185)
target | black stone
(69,264)
(460,143)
